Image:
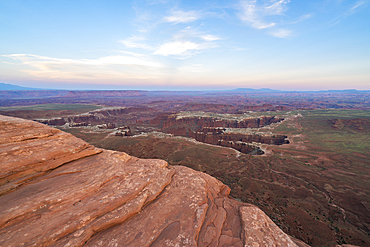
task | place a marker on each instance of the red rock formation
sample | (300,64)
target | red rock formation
(98,116)
(124,131)
(54,121)
(116,111)
(107,126)
(211,130)
(172,121)
(214,135)
(57,190)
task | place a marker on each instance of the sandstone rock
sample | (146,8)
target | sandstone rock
(58,190)
(259,230)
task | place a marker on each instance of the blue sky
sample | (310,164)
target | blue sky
(180,45)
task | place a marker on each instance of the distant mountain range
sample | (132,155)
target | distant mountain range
(268,90)
(10,87)
(4,86)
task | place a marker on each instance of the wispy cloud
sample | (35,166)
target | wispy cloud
(275,7)
(255,14)
(36,60)
(281,33)
(178,48)
(118,66)
(209,37)
(352,9)
(136,42)
(180,16)
(356,6)
(301,18)
(194,34)
(186,43)
(183,44)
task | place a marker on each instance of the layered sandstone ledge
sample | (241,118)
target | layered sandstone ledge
(57,190)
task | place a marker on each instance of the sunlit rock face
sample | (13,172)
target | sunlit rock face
(57,190)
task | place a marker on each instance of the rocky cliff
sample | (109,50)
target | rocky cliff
(211,130)
(57,190)
(239,141)
(169,121)
(106,115)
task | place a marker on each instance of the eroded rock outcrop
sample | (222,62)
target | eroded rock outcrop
(100,116)
(211,130)
(239,141)
(57,190)
(171,121)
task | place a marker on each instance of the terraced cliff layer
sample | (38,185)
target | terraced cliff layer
(57,190)
(106,115)
(168,121)
(241,142)
(211,130)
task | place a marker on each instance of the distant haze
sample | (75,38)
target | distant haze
(186,45)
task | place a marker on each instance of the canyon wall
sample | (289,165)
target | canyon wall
(212,131)
(106,115)
(241,142)
(168,121)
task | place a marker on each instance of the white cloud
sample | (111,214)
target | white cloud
(182,17)
(209,37)
(178,48)
(136,42)
(357,5)
(281,33)
(301,18)
(116,66)
(276,7)
(350,11)
(190,33)
(36,60)
(255,14)
(183,44)
(186,43)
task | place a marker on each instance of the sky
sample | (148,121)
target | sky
(185,45)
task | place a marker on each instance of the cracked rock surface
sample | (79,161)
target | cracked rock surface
(57,190)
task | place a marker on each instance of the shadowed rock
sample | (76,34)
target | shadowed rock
(57,190)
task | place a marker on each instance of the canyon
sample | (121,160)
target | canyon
(203,128)
(300,157)
(57,190)
(212,130)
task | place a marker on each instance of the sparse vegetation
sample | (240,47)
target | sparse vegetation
(323,172)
